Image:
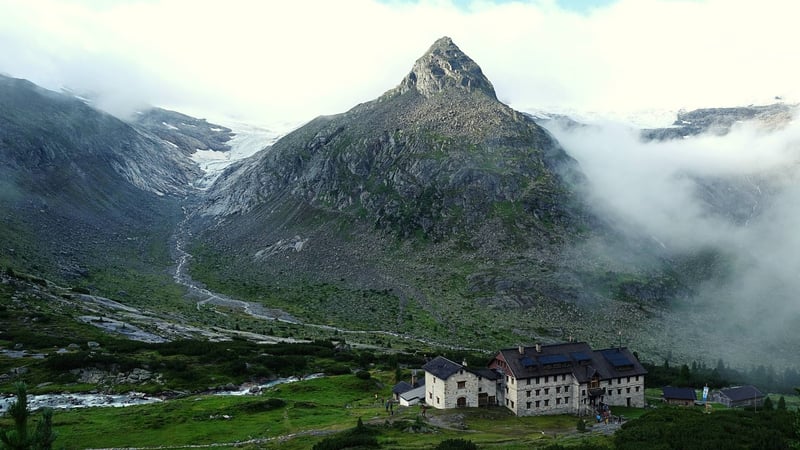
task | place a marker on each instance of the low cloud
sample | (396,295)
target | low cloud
(737,194)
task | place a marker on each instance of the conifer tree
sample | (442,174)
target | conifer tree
(18,437)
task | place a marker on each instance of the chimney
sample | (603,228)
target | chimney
(538,348)
(521,349)
(414,378)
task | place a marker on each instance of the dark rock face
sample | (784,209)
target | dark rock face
(79,185)
(187,133)
(438,155)
(445,65)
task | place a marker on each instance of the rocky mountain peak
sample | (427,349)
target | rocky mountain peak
(445,66)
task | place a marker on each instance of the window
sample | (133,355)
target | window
(528,405)
(546,391)
(430,395)
(512,380)
(637,377)
(558,401)
(547,403)
(558,389)
(527,393)
(628,390)
(512,404)
(619,380)
(609,382)
(546,377)
(619,391)
(564,377)
(528,382)
(566,400)
(637,388)
(461,372)
(583,393)
(537,403)
(480,389)
(437,399)
(538,392)
(462,385)
(537,380)
(434,380)
(566,389)
(506,402)
(507,379)
(629,379)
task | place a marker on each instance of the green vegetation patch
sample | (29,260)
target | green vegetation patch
(686,428)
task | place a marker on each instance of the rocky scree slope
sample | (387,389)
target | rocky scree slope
(434,190)
(80,187)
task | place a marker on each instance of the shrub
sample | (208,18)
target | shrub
(338,369)
(363,375)
(581,425)
(456,444)
(361,436)
(263,405)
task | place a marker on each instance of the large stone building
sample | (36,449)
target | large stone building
(568,378)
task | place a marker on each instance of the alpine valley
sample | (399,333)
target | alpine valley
(432,215)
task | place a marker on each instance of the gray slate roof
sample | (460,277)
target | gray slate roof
(443,368)
(677,393)
(575,358)
(740,393)
(401,387)
(416,393)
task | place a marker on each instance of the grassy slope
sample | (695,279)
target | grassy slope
(314,409)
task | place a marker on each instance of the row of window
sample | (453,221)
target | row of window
(538,392)
(627,390)
(539,403)
(619,380)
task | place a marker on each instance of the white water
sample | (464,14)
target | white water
(74,401)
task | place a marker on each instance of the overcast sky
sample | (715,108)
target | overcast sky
(270,62)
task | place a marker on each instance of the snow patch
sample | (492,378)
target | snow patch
(169,126)
(247,141)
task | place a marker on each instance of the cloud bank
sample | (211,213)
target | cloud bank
(735,194)
(291,61)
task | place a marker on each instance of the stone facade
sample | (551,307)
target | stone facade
(452,385)
(568,378)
